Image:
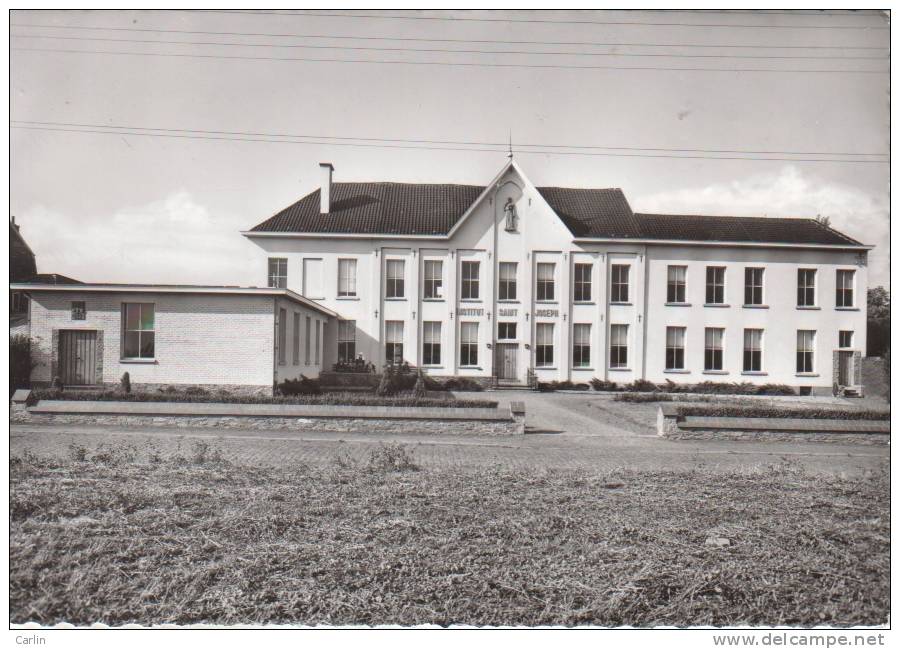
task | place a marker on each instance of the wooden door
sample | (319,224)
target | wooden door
(844,362)
(507,355)
(78,357)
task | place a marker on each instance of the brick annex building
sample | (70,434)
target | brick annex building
(504,282)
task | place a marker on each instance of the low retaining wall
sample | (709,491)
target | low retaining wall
(339,419)
(673,426)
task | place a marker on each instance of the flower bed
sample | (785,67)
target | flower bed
(782,413)
(704,387)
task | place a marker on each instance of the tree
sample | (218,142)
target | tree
(878,326)
(823,220)
(879,302)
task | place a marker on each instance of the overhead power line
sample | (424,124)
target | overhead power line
(450,51)
(389,144)
(449,40)
(554,66)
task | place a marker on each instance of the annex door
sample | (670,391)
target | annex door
(845,360)
(507,355)
(78,357)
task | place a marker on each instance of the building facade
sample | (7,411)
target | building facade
(510,281)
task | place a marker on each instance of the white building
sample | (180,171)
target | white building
(511,279)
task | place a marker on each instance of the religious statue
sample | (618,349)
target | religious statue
(512,217)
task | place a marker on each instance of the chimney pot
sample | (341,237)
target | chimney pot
(325,191)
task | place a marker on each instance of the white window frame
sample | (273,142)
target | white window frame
(806,345)
(346,277)
(715,285)
(506,325)
(581,345)
(716,362)
(804,287)
(842,291)
(470,283)
(468,344)
(346,341)
(545,288)
(616,286)
(749,334)
(278,272)
(141,331)
(507,285)
(751,285)
(394,283)
(584,283)
(431,343)
(543,349)
(676,284)
(852,335)
(616,347)
(433,282)
(393,341)
(675,344)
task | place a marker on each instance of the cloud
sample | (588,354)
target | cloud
(175,240)
(790,193)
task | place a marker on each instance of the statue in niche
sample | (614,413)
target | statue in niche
(512,217)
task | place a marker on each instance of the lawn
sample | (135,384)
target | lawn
(129,535)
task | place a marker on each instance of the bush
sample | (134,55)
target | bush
(782,413)
(775,389)
(602,385)
(20,363)
(125,383)
(641,385)
(288,388)
(420,390)
(387,385)
(643,397)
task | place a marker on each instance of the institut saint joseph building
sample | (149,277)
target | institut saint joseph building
(511,281)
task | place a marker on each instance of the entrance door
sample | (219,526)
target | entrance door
(78,357)
(845,360)
(507,355)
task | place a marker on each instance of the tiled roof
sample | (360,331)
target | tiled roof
(51,278)
(593,212)
(21,259)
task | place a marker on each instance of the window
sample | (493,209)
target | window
(346,278)
(79,311)
(393,341)
(618,345)
(318,340)
(715,285)
(506,330)
(712,352)
(675,292)
(619,283)
(346,340)
(308,334)
(313,286)
(545,282)
(434,280)
(296,338)
(753,286)
(394,282)
(845,339)
(675,348)
(581,345)
(806,287)
(431,343)
(753,350)
(507,284)
(544,344)
(470,280)
(138,323)
(844,297)
(282,336)
(277,272)
(18,302)
(806,347)
(583,282)
(468,344)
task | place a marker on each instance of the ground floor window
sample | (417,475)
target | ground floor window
(845,339)
(346,340)
(431,343)
(806,347)
(753,350)
(712,353)
(675,348)
(506,330)
(139,330)
(296,338)
(468,344)
(393,341)
(581,345)
(618,346)
(544,344)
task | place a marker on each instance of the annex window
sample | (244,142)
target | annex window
(582,282)
(845,339)
(844,295)
(507,281)
(18,302)
(434,280)
(753,286)
(806,287)
(546,289)
(675,348)
(506,330)
(712,349)
(79,311)
(468,344)
(676,289)
(346,340)
(618,345)
(318,341)
(282,336)
(307,339)
(431,343)
(618,290)
(394,271)
(753,350)
(139,328)
(346,278)
(544,344)
(470,282)
(715,285)
(581,345)
(806,348)
(277,272)
(296,339)
(393,341)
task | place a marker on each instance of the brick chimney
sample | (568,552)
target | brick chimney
(325,191)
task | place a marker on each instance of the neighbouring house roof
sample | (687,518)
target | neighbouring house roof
(432,210)
(50,278)
(173,288)
(21,258)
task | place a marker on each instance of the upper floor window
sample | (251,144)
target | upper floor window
(431,343)
(346,340)
(618,283)
(546,284)
(506,330)
(581,345)
(806,287)
(507,280)
(543,344)
(393,341)
(712,352)
(139,328)
(844,296)
(470,271)
(618,346)
(346,278)
(753,350)
(845,339)
(582,282)
(277,272)
(676,290)
(753,286)
(468,344)
(675,348)
(806,347)
(434,279)
(715,285)
(394,272)
(313,284)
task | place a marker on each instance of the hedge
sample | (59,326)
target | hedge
(643,397)
(782,413)
(327,399)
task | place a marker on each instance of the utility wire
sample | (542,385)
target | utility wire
(448,51)
(442,63)
(449,40)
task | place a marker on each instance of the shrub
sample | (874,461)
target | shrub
(20,362)
(641,385)
(125,383)
(643,397)
(420,385)
(196,390)
(582,387)
(288,388)
(782,413)
(775,389)
(387,386)
(391,457)
(602,385)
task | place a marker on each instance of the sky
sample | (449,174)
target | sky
(121,206)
